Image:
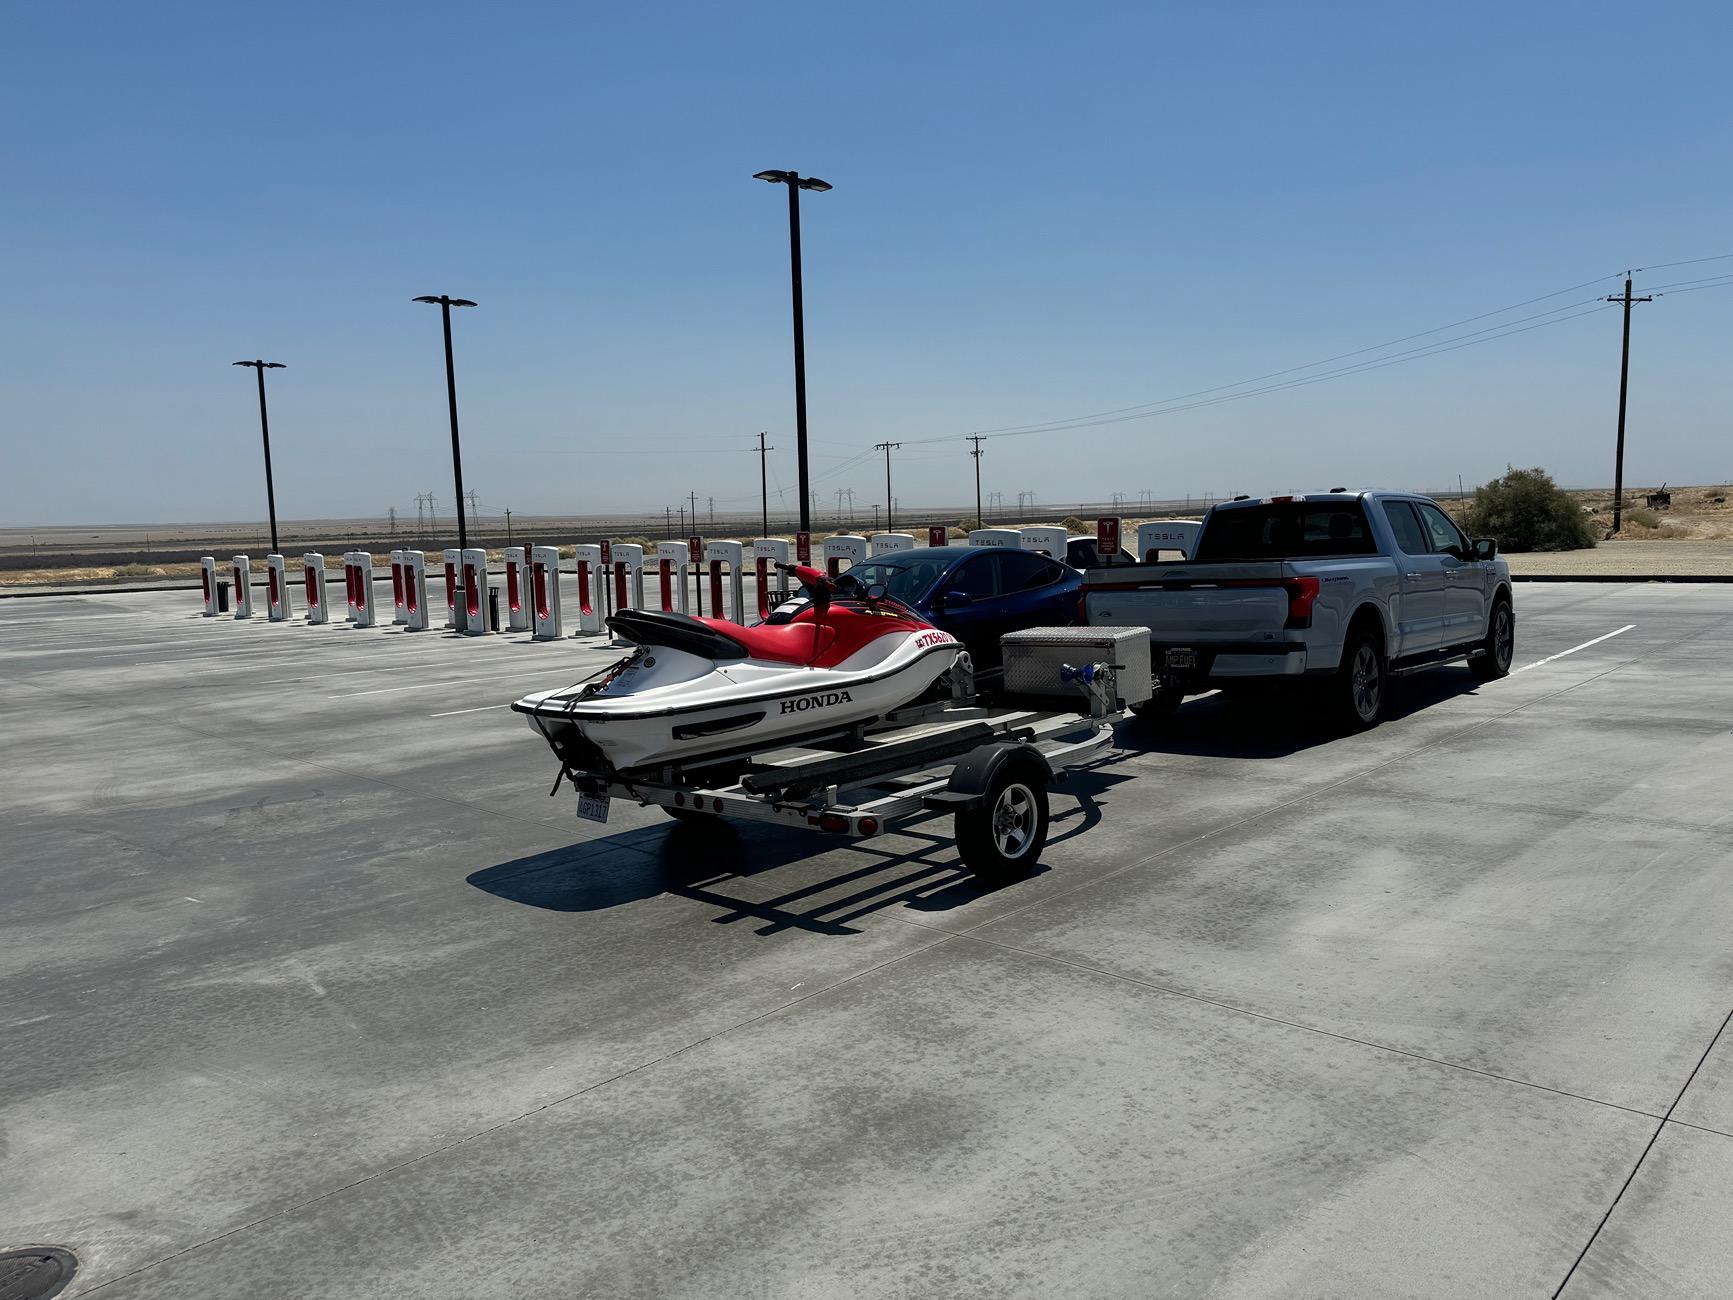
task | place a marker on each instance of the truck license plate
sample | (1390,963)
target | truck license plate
(1186,658)
(593,807)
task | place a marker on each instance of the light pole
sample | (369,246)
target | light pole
(446,303)
(265,433)
(796,183)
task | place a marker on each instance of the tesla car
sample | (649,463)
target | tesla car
(979,593)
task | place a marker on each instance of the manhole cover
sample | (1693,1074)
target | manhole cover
(36,1272)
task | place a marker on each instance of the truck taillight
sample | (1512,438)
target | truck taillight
(1302,595)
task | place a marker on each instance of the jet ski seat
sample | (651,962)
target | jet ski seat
(677,632)
(788,643)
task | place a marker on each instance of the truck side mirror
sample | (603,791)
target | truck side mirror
(1485,548)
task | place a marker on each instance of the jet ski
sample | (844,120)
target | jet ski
(699,687)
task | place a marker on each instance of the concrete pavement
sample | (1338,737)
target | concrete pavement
(310,989)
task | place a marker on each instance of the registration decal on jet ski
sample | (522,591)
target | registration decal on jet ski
(822,700)
(933,638)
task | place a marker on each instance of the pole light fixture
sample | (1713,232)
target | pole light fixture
(265,433)
(445,303)
(796,183)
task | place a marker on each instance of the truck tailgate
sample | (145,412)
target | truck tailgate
(1191,603)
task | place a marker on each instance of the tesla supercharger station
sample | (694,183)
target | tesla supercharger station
(938,535)
(889,543)
(591,579)
(399,598)
(1167,535)
(1045,540)
(277,589)
(414,591)
(313,586)
(767,553)
(360,568)
(1008,537)
(671,558)
(841,550)
(733,554)
(452,558)
(475,620)
(243,570)
(517,587)
(544,593)
(208,570)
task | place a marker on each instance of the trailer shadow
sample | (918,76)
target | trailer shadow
(1278,724)
(916,868)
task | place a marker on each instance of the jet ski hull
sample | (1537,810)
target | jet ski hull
(664,705)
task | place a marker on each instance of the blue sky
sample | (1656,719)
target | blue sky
(1040,211)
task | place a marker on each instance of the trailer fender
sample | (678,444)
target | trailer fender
(972,778)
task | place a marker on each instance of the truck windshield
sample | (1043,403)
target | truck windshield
(1285,530)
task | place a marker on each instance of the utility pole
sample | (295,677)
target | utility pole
(668,521)
(1624,378)
(693,498)
(712,508)
(764,482)
(508,525)
(682,521)
(977,439)
(887,448)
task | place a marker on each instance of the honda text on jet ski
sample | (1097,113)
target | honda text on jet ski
(695,687)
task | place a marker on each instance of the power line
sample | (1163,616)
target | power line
(1310,365)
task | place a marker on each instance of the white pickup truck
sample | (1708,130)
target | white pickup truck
(1339,590)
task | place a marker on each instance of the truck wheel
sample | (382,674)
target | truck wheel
(1002,839)
(1161,706)
(1499,648)
(1356,692)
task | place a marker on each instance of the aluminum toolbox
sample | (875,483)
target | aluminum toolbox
(1034,656)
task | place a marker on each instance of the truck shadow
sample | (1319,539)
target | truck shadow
(916,867)
(1277,724)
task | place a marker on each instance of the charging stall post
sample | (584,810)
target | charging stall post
(767,553)
(628,576)
(844,549)
(517,595)
(414,591)
(733,554)
(313,586)
(358,565)
(671,558)
(243,571)
(475,610)
(399,599)
(208,571)
(591,579)
(1167,535)
(1006,537)
(889,544)
(452,558)
(1046,540)
(278,607)
(544,593)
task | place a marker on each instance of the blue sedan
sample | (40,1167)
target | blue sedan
(979,593)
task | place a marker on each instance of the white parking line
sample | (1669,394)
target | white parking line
(1584,646)
(480,708)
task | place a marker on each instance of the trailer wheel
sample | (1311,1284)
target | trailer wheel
(1002,839)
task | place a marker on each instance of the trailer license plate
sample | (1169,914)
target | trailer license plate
(593,807)
(1186,658)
